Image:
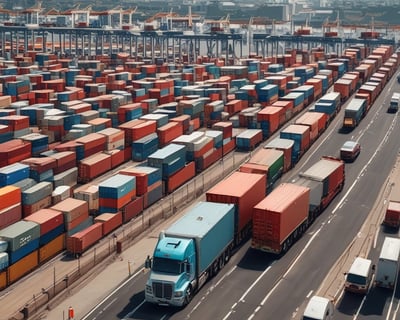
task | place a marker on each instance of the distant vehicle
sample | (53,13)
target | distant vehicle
(350,150)
(394,102)
(392,215)
(354,112)
(388,263)
(359,277)
(318,308)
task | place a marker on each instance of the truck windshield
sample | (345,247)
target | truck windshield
(356,279)
(164,265)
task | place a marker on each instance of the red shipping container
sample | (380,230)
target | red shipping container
(109,221)
(184,120)
(225,127)
(208,159)
(278,215)
(40,165)
(275,116)
(81,241)
(143,129)
(344,87)
(63,158)
(228,147)
(233,106)
(31,208)
(254,168)
(72,224)
(47,219)
(169,132)
(117,157)
(127,128)
(245,191)
(311,120)
(92,140)
(117,203)
(122,110)
(181,177)
(132,209)
(93,166)
(13,151)
(9,196)
(141,178)
(10,215)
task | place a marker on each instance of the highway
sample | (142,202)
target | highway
(256,285)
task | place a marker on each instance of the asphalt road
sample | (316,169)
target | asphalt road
(256,285)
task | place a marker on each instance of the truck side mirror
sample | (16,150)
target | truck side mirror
(148,263)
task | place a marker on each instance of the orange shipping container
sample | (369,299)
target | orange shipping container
(17,270)
(169,132)
(3,280)
(9,196)
(81,241)
(93,166)
(117,202)
(243,189)
(109,221)
(275,116)
(52,248)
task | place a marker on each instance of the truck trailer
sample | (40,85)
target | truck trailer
(189,252)
(388,263)
(354,112)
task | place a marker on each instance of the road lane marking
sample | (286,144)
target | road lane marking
(112,293)
(134,310)
(241,299)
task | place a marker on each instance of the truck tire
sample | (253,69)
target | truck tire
(188,295)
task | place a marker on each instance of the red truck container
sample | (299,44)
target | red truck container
(81,241)
(329,171)
(344,87)
(392,215)
(280,218)
(244,190)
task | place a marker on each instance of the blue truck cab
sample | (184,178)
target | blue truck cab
(189,252)
(173,268)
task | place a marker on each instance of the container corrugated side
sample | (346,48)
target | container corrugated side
(20,234)
(52,248)
(47,219)
(17,270)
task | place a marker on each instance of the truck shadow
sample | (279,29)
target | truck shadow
(256,260)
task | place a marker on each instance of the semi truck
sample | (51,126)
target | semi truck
(392,215)
(284,214)
(354,112)
(388,263)
(189,252)
(394,102)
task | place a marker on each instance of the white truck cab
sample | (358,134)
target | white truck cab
(319,308)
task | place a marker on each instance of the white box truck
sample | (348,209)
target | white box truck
(388,263)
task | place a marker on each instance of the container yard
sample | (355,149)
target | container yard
(87,145)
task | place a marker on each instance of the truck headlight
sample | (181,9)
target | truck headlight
(149,289)
(178,294)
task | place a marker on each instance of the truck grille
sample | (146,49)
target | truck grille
(162,290)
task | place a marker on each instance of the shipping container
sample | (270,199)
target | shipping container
(17,270)
(20,234)
(300,134)
(280,218)
(10,215)
(109,221)
(244,190)
(180,177)
(249,139)
(133,209)
(52,248)
(47,219)
(392,215)
(81,241)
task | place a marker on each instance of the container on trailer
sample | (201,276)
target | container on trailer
(330,171)
(316,195)
(354,112)
(242,189)
(286,145)
(279,216)
(270,119)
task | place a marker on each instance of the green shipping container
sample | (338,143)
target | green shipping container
(19,234)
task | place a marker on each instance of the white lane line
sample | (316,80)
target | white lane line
(359,308)
(133,311)
(309,294)
(241,299)
(108,305)
(112,293)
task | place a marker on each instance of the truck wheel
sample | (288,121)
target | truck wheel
(188,295)
(227,255)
